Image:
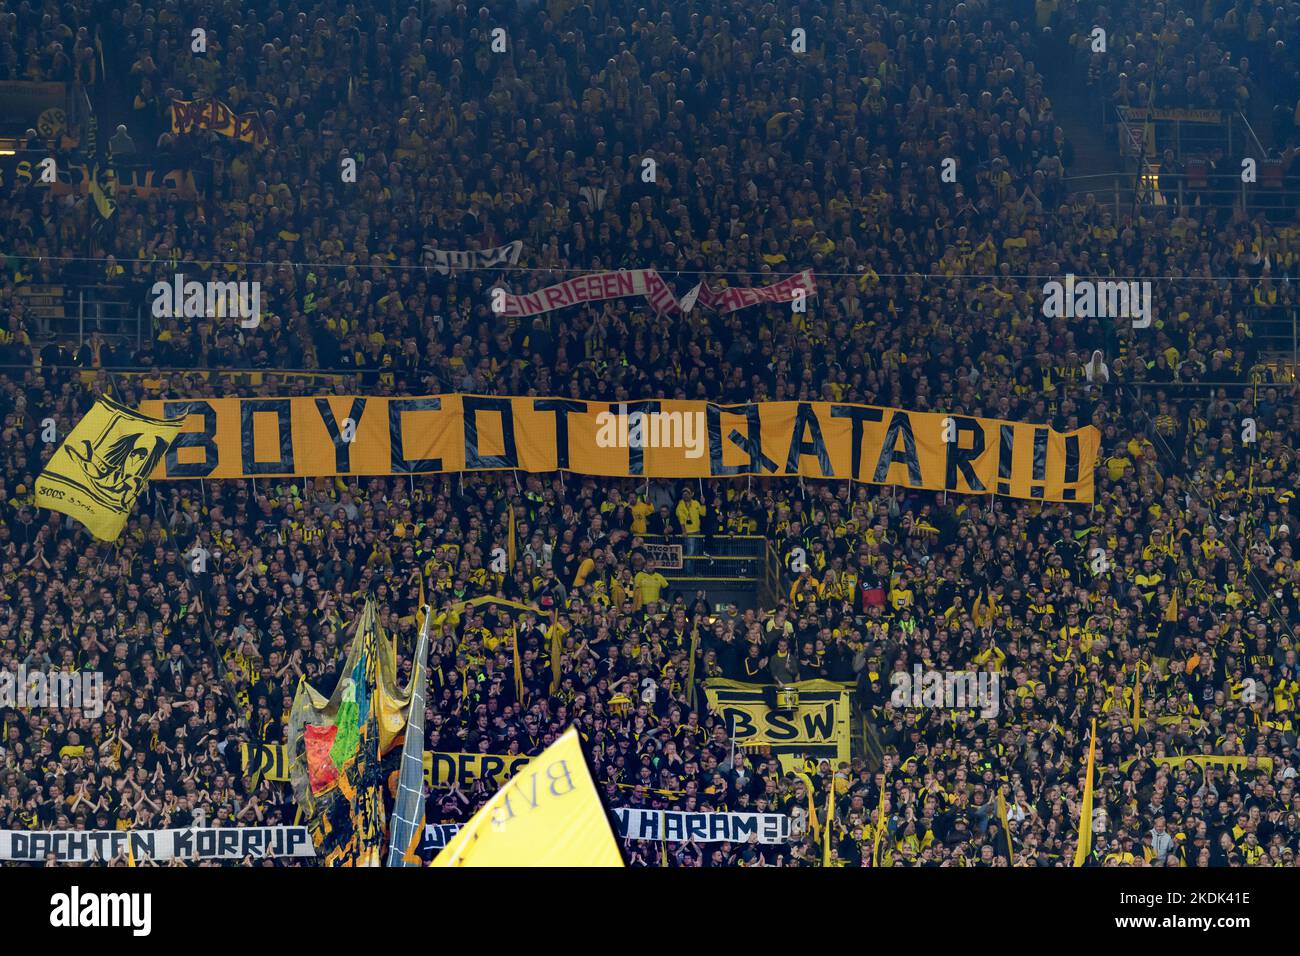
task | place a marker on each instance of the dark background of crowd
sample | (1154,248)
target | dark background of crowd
(929,297)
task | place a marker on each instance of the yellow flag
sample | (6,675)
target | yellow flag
(557,648)
(813,825)
(1006,827)
(103,466)
(827,828)
(548,814)
(103,191)
(1085,813)
(519,665)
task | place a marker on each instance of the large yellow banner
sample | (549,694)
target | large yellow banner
(351,435)
(191,115)
(1203,761)
(817,728)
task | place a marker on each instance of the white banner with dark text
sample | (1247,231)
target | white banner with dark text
(676,826)
(444,261)
(801,285)
(190,843)
(599,286)
(595,287)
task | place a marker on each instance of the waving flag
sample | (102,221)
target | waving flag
(548,814)
(103,466)
(336,748)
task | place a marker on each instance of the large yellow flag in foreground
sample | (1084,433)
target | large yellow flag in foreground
(1085,813)
(103,465)
(546,815)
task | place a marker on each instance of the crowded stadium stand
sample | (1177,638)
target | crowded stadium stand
(382,172)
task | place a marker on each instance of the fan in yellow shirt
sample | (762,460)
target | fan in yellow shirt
(648,584)
(641,510)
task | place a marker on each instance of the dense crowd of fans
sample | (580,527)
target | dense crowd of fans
(766,162)
(1167,56)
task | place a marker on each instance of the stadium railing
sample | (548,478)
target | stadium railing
(1194,185)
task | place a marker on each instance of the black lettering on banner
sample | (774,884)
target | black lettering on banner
(472,405)
(1006,457)
(820,726)
(465,769)
(805,419)
(228,843)
(1071,467)
(900,425)
(436,836)
(342,447)
(780,728)
(490,767)
(258,759)
(960,459)
(674,825)
(1040,461)
(205,439)
(622,818)
(182,843)
(562,408)
(442,769)
(636,454)
(397,454)
(1071,459)
(281,408)
(276,760)
(858,416)
(701,826)
(650,825)
(739,721)
(751,444)
(719,827)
